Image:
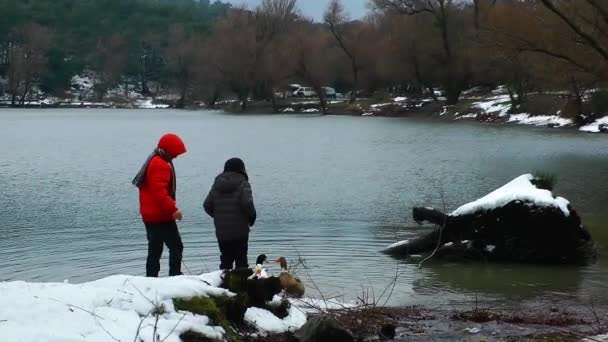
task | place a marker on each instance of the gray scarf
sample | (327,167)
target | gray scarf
(140,178)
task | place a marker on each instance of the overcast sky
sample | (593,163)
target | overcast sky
(315,8)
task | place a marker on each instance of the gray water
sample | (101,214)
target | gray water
(332,190)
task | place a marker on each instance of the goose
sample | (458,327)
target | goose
(292,285)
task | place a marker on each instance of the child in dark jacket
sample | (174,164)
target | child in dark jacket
(230,204)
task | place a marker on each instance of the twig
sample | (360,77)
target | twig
(186,267)
(140,324)
(596,316)
(141,293)
(77,307)
(172,330)
(443,224)
(105,330)
(155,336)
(393,283)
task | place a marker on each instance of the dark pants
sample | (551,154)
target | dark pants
(159,234)
(233,252)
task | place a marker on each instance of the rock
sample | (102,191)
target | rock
(323,328)
(388,332)
(193,336)
(603,128)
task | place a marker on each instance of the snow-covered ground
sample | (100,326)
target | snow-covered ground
(466,116)
(82,94)
(498,105)
(540,120)
(118,308)
(522,189)
(148,104)
(595,127)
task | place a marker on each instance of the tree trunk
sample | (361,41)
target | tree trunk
(452,95)
(322,99)
(181,103)
(213,99)
(273,100)
(126,87)
(420,80)
(353,95)
(243,98)
(515,232)
(144,83)
(515,100)
(578,97)
(26,90)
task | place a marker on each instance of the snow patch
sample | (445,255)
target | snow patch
(288,110)
(400,99)
(380,105)
(522,189)
(148,104)
(104,310)
(489,248)
(595,127)
(266,322)
(310,110)
(466,116)
(540,120)
(498,105)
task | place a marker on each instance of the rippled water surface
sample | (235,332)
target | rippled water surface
(333,190)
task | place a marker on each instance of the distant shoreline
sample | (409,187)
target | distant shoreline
(489,108)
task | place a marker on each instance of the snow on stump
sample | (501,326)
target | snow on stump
(519,222)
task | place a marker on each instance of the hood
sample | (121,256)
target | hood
(228,182)
(172,144)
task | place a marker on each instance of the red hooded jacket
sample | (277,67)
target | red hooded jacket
(155,201)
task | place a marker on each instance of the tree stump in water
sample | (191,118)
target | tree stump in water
(518,231)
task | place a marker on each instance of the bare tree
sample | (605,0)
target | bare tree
(577,20)
(183,53)
(337,20)
(274,62)
(244,39)
(109,60)
(311,47)
(27,60)
(454,79)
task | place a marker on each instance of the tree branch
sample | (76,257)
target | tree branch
(587,37)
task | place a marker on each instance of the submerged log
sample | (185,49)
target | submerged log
(518,231)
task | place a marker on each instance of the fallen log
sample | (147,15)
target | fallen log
(516,223)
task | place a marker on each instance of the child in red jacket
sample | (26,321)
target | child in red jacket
(157,186)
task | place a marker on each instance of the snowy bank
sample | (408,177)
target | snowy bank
(495,105)
(519,189)
(595,126)
(540,120)
(119,308)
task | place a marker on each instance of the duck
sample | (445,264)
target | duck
(259,272)
(292,285)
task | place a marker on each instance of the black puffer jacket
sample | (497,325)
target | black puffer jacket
(230,203)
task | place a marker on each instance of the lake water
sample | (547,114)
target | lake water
(333,190)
